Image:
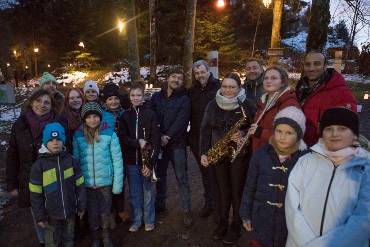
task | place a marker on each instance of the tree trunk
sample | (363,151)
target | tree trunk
(318,25)
(189,40)
(153,41)
(276,24)
(133,49)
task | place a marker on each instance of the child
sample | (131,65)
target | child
(139,128)
(111,101)
(97,147)
(91,91)
(56,186)
(262,208)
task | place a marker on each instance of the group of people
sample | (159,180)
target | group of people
(302,180)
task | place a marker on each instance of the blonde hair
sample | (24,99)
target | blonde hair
(91,134)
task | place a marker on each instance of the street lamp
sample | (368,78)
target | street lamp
(7,64)
(15,53)
(49,66)
(121,26)
(36,50)
(26,67)
(266,3)
(220,4)
(81,44)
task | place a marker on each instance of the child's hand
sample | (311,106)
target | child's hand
(145,171)
(248,226)
(42,224)
(142,143)
(81,214)
(14,193)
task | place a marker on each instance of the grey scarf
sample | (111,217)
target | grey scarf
(230,104)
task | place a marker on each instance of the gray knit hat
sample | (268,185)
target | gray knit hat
(91,108)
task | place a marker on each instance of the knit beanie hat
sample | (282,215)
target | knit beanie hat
(110,89)
(294,117)
(53,131)
(91,85)
(46,77)
(340,116)
(91,108)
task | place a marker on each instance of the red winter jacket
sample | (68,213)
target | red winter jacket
(265,126)
(333,92)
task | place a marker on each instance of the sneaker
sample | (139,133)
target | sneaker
(188,220)
(232,236)
(219,232)
(149,227)
(205,211)
(134,228)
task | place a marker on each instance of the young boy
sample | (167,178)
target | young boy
(57,188)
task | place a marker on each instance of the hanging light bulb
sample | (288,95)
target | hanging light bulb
(266,3)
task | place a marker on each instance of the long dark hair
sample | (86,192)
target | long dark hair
(37,94)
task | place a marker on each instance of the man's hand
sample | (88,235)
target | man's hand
(142,143)
(248,226)
(14,193)
(81,214)
(204,160)
(42,224)
(164,140)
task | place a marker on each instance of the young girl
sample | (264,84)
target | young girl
(91,91)
(262,208)
(110,99)
(138,129)
(97,148)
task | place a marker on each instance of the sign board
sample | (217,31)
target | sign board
(279,52)
(212,57)
(6,94)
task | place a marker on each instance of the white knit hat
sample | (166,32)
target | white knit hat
(292,116)
(91,85)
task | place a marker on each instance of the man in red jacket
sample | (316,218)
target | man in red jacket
(318,89)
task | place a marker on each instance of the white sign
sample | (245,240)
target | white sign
(212,57)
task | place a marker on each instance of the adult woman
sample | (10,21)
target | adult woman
(25,141)
(220,115)
(71,113)
(328,197)
(278,95)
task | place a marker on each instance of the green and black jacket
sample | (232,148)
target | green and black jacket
(56,186)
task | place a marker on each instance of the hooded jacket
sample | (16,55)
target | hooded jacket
(101,162)
(56,186)
(132,125)
(328,205)
(330,91)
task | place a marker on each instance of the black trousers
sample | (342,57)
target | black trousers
(230,179)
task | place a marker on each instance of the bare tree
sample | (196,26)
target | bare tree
(189,40)
(133,49)
(153,41)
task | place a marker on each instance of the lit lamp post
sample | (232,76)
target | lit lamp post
(120,26)
(81,44)
(36,51)
(220,4)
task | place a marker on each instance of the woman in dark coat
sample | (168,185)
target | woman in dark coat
(228,179)
(25,141)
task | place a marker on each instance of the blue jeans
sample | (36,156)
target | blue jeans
(142,196)
(178,158)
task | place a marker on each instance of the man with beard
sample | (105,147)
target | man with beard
(319,89)
(253,83)
(172,107)
(201,93)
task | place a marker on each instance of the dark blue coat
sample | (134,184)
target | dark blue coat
(173,114)
(261,192)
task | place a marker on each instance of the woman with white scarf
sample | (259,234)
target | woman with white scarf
(328,197)
(228,178)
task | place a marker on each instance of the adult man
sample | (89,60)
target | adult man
(49,83)
(253,84)
(172,107)
(319,89)
(201,93)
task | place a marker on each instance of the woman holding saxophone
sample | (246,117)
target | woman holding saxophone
(139,130)
(226,119)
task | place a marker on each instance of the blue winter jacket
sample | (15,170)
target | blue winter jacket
(101,162)
(112,119)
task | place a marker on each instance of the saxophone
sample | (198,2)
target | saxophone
(225,147)
(147,153)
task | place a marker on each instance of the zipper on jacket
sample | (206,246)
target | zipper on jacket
(326,200)
(137,132)
(61,189)
(93,156)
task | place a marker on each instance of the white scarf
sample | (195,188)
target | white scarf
(232,103)
(340,156)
